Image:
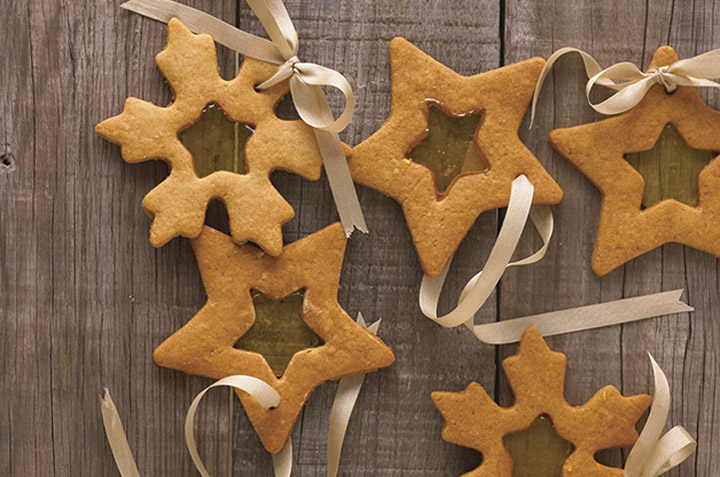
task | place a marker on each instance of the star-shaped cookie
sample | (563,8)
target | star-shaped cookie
(537,377)
(625,229)
(206,345)
(146,131)
(439,223)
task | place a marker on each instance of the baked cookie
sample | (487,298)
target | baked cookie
(146,131)
(213,342)
(627,229)
(450,148)
(537,377)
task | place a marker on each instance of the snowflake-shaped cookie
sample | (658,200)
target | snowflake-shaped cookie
(146,131)
(537,377)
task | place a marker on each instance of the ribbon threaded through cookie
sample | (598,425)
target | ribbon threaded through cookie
(632,84)
(345,398)
(306,81)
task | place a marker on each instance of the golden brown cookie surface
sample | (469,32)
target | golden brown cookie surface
(439,222)
(625,229)
(146,131)
(537,377)
(206,345)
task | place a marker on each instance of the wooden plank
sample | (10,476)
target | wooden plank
(683,345)
(395,429)
(87,298)
(25,404)
(162,289)
(563,279)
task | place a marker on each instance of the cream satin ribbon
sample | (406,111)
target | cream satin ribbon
(653,455)
(345,398)
(632,84)
(306,80)
(479,288)
(117,438)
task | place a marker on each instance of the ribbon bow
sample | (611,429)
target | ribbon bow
(306,81)
(632,84)
(653,455)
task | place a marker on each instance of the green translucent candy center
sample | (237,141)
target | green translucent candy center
(216,143)
(538,451)
(449,149)
(279,330)
(670,169)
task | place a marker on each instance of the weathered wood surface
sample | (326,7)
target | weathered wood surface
(85,298)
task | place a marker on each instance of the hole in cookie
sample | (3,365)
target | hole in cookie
(216,216)
(670,169)
(279,330)
(538,450)
(448,146)
(216,142)
(285,109)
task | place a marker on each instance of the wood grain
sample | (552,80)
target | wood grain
(85,298)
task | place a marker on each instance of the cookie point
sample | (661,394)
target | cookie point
(533,341)
(665,55)
(175,25)
(398,42)
(336,230)
(531,334)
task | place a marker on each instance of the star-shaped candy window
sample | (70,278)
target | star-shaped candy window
(279,330)
(145,131)
(448,148)
(537,377)
(208,344)
(670,169)
(387,161)
(601,151)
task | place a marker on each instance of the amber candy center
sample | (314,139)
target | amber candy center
(279,330)
(448,147)
(538,451)
(216,143)
(670,169)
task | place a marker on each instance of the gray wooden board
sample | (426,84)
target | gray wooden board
(85,298)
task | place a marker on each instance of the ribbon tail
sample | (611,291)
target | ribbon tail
(342,408)
(275,19)
(345,399)
(477,291)
(259,390)
(282,461)
(585,317)
(341,183)
(117,438)
(201,22)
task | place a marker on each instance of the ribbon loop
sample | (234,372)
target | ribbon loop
(306,81)
(632,84)
(479,288)
(653,455)
(262,392)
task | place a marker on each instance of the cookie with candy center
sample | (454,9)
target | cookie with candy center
(512,437)
(236,173)
(636,216)
(276,319)
(450,150)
